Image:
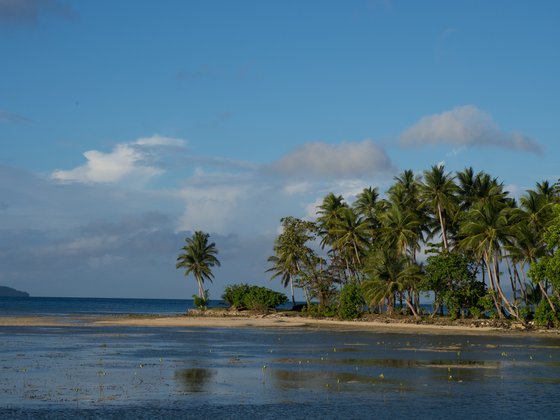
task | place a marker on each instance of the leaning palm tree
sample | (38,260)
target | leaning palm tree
(198,258)
(488,229)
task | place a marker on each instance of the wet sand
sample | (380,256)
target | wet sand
(261,321)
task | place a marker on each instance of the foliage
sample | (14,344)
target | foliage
(483,237)
(548,267)
(315,310)
(452,277)
(351,301)
(234,295)
(526,313)
(198,258)
(545,316)
(201,302)
(486,302)
(291,251)
(244,296)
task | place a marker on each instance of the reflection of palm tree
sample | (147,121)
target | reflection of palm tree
(195,379)
(198,258)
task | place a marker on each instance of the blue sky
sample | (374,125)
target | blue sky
(126,125)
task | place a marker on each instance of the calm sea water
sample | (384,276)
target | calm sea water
(269,373)
(92,306)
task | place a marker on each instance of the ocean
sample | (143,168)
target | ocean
(95,306)
(266,373)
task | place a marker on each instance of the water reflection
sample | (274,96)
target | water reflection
(195,379)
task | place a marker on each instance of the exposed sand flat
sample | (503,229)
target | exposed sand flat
(259,321)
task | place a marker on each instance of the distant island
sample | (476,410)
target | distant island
(9,292)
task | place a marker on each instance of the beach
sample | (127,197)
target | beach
(224,319)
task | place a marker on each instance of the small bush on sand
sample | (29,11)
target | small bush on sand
(243,296)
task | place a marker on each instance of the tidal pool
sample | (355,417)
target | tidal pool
(130,372)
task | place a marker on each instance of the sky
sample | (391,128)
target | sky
(125,126)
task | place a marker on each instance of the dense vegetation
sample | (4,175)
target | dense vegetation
(459,239)
(244,296)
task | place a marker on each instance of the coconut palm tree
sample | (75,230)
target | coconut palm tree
(366,205)
(351,233)
(437,193)
(401,230)
(487,229)
(390,273)
(198,258)
(291,251)
(329,215)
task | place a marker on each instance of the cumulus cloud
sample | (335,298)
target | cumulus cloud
(344,160)
(29,11)
(129,162)
(465,125)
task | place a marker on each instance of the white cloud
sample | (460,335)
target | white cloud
(297,188)
(128,162)
(209,208)
(325,160)
(465,125)
(158,140)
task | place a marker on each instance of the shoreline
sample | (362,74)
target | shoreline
(274,320)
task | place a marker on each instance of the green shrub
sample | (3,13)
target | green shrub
(315,310)
(545,316)
(201,302)
(243,296)
(526,313)
(486,303)
(351,301)
(234,295)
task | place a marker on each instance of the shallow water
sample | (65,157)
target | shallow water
(129,372)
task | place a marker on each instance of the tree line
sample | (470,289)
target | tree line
(459,238)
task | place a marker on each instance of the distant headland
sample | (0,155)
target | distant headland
(9,292)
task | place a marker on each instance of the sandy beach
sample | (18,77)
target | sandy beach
(277,320)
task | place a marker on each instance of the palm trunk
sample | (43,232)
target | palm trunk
(543,291)
(488,263)
(411,307)
(200,288)
(292,290)
(442,226)
(511,308)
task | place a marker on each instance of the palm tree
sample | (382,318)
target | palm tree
(329,216)
(351,233)
(389,274)
(438,194)
(487,229)
(291,251)
(404,193)
(198,258)
(401,230)
(366,205)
